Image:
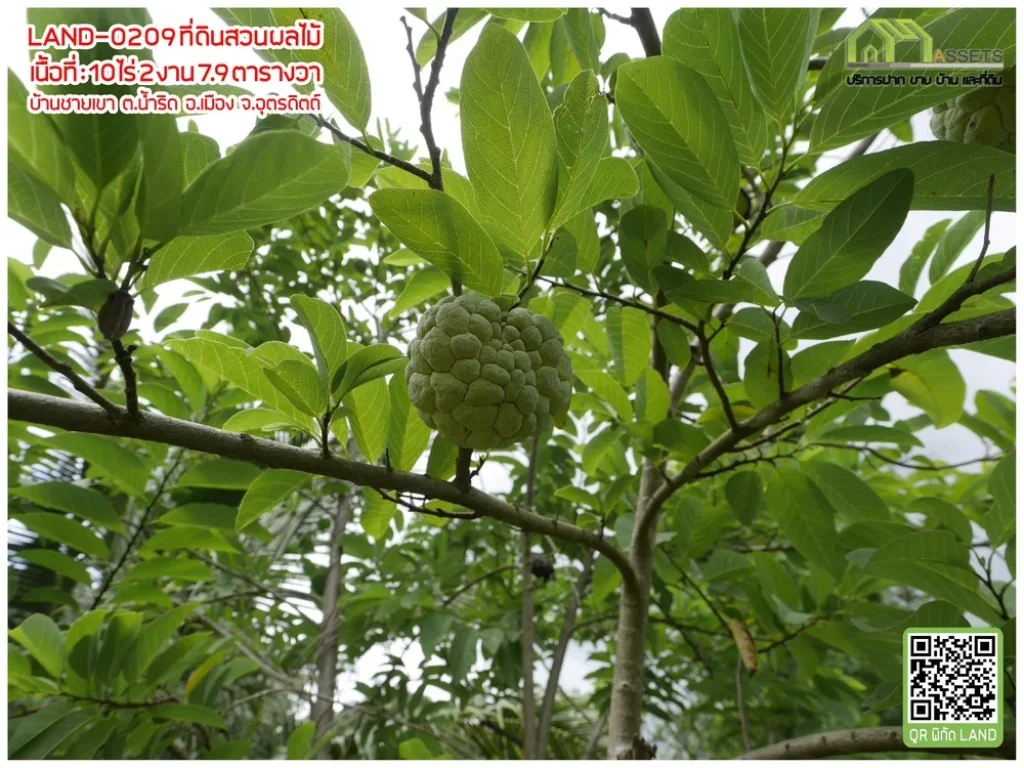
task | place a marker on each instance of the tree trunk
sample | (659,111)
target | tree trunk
(327,652)
(630,638)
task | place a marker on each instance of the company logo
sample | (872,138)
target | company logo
(904,44)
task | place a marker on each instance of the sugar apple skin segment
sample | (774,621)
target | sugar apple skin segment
(487,378)
(983,116)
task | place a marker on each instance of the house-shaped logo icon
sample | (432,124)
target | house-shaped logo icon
(874,42)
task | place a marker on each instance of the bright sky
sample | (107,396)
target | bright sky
(383,42)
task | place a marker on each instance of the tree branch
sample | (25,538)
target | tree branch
(528,716)
(920,337)
(643,22)
(83,417)
(547,709)
(66,371)
(123,356)
(705,354)
(397,162)
(856,741)
(470,584)
(327,650)
(741,704)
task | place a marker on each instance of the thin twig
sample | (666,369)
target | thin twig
(705,352)
(599,294)
(988,226)
(123,356)
(382,156)
(66,371)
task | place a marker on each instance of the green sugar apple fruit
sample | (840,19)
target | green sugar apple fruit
(485,378)
(982,116)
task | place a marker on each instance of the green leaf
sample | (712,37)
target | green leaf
(433,629)
(527,14)
(102,144)
(299,381)
(508,138)
(581,135)
(850,496)
(873,433)
(438,228)
(847,114)
(944,513)
(65,497)
(629,335)
(867,305)
(326,332)
(415,749)
(25,729)
(365,365)
(422,285)
(237,366)
(201,513)
(911,269)
(901,561)
(257,420)
(34,143)
(55,735)
(707,40)
(948,176)
(613,179)
(675,341)
(58,563)
(1002,484)
(175,568)
(714,222)
(346,76)
(465,20)
(368,408)
(188,256)
(300,740)
(39,635)
(154,635)
(407,434)
(189,713)
(267,491)
(187,537)
(35,207)
(219,473)
(584,43)
(761,373)
(681,287)
(159,209)
(805,518)
(267,178)
(608,390)
(776,44)
(744,491)
(463,653)
(643,234)
(851,238)
(377,514)
(932,382)
(55,527)
(677,121)
(683,440)
(197,152)
(953,242)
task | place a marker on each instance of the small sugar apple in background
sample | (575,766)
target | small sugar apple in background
(485,378)
(982,116)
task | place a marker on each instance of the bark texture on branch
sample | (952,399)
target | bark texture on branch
(327,651)
(862,741)
(45,410)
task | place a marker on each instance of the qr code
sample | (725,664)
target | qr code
(953,677)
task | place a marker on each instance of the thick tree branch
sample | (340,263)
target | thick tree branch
(860,741)
(66,371)
(83,417)
(643,22)
(920,337)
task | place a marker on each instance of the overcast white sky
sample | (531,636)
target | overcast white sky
(383,42)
